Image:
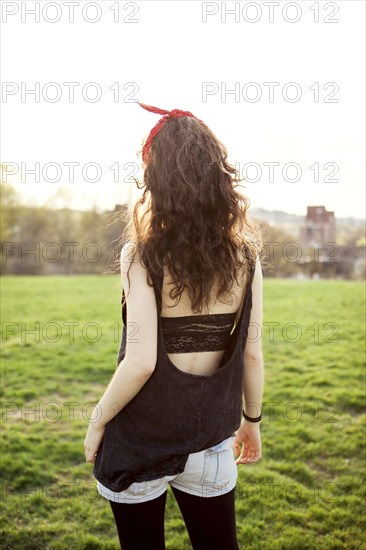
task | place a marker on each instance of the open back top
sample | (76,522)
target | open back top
(175,413)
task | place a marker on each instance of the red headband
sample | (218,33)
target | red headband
(175,113)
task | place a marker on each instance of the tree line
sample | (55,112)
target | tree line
(40,240)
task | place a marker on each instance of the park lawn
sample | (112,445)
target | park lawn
(308,489)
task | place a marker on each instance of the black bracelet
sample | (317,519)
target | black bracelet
(252,419)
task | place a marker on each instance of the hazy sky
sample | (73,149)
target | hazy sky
(186,55)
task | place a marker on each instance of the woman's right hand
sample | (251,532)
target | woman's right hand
(248,435)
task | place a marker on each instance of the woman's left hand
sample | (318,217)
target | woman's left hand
(92,441)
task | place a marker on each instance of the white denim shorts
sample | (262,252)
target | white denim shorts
(208,473)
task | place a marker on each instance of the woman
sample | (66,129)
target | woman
(172,413)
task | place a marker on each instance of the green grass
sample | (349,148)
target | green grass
(306,492)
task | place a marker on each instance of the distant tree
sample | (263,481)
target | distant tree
(277,253)
(9,216)
(9,204)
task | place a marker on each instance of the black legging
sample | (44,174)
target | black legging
(210,522)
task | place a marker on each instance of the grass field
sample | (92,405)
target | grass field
(307,491)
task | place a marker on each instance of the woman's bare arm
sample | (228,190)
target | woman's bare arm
(253,355)
(141,351)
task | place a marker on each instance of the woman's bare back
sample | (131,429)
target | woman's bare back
(204,363)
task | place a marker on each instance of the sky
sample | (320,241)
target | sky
(283,90)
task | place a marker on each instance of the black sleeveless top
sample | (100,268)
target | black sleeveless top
(175,413)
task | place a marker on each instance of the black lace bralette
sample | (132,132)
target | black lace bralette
(195,333)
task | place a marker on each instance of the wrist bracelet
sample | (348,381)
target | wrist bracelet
(252,419)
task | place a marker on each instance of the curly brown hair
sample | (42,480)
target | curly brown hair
(190,215)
